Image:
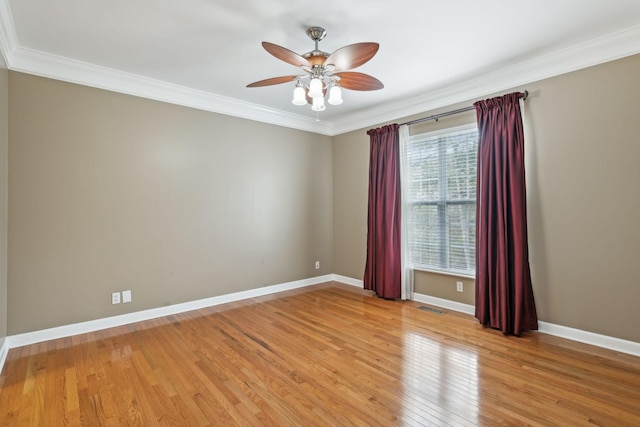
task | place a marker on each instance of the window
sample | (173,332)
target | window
(440,188)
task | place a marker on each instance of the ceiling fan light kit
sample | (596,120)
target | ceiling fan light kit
(335,95)
(324,72)
(299,95)
(315,87)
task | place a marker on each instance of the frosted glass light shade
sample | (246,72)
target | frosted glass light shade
(318,104)
(315,88)
(298,96)
(335,96)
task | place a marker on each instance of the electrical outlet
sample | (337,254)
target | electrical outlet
(317,265)
(460,286)
(126,296)
(115,298)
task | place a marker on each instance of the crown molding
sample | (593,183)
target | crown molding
(603,49)
(597,51)
(60,68)
(30,61)
(8,38)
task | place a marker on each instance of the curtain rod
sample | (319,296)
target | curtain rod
(449,113)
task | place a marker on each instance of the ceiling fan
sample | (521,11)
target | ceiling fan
(324,71)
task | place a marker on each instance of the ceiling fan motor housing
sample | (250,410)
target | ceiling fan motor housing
(316,57)
(316,33)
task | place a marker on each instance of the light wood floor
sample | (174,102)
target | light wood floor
(329,355)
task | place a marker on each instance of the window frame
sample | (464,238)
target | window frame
(443,202)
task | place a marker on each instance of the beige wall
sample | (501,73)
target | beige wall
(444,286)
(4,141)
(350,186)
(110,192)
(583,200)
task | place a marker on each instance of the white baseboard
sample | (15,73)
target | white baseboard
(604,341)
(348,280)
(29,338)
(444,303)
(4,350)
(586,337)
(616,344)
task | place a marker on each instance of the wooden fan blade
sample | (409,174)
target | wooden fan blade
(352,56)
(285,54)
(358,81)
(273,81)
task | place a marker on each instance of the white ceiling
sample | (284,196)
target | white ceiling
(203,53)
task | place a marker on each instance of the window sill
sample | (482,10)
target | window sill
(445,272)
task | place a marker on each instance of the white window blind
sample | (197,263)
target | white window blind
(441,192)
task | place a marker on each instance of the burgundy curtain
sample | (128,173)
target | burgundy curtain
(382,272)
(504,297)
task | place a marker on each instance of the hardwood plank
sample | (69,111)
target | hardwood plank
(328,354)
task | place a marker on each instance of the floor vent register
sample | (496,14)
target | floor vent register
(431,310)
